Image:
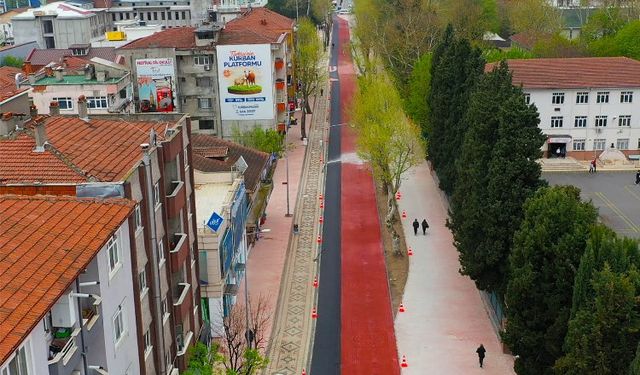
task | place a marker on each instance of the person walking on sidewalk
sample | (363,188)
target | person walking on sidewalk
(425,225)
(637,177)
(416,225)
(481,352)
(594,166)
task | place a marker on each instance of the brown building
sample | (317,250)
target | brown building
(144,158)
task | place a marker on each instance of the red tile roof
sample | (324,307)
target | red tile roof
(583,72)
(203,144)
(237,36)
(261,21)
(177,37)
(102,150)
(8,83)
(42,57)
(45,243)
(21,165)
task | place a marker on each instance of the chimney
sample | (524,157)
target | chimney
(33,111)
(82,108)
(7,124)
(41,135)
(54,108)
(101,76)
(58,74)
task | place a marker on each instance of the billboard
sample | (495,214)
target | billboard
(246,82)
(156,84)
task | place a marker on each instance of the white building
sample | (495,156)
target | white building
(586,105)
(70,289)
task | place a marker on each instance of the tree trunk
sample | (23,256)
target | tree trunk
(303,124)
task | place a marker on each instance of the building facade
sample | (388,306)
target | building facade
(169,14)
(158,177)
(586,105)
(82,320)
(60,25)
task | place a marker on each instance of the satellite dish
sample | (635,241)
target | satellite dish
(241,164)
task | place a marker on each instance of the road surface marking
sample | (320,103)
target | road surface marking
(617,211)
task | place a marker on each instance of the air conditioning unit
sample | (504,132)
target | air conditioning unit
(207,67)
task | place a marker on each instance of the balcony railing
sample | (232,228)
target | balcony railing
(183,341)
(182,299)
(178,250)
(63,350)
(176,199)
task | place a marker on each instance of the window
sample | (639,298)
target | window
(48,324)
(624,120)
(177,15)
(582,98)
(142,277)
(557,98)
(204,103)
(49,43)
(527,98)
(137,214)
(156,194)
(622,144)
(203,81)
(184,15)
(20,364)
(113,249)
(201,60)
(192,255)
(47,27)
(186,158)
(97,102)
(169,16)
(602,97)
(578,144)
(161,252)
(64,103)
(205,124)
(147,343)
(165,310)
(118,325)
(626,97)
(188,207)
(155,16)
(556,121)
(162,16)
(580,122)
(601,121)
(599,143)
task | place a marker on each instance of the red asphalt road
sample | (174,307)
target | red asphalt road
(368,342)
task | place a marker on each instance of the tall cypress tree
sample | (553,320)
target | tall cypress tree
(496,173)
(455,70)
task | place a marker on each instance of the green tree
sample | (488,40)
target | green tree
(536,17)
(623,43)
(602,337)
(557,46)
(500,149)
(455,69)
(515,53)
(418,87)
(16,62)
(545,257)
(634,369)
(269,140)
(307,65)
(201,359)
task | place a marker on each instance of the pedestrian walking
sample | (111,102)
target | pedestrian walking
(425,225)
(637,177)
(321,91)
(481,352)
(590,167)
(594,165)
(416,225)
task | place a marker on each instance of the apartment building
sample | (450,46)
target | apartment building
(586,105)
(227,179)
(106,86)
(185,58)
(66,296)
(60,25)
(175,13)
(39,58)
(12,97)
(143,158)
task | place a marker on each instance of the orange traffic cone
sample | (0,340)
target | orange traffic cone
(315,282)
(401,309)
(410,252)
(321,219)
(314,313)
(404,363)
(319,239)
(321,197)
(398,196)
(321,204)
(404,214)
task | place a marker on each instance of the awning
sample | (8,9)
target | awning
(559,139)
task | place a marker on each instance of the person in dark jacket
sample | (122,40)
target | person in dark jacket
(637,177)
(416,225)
(425,225)
(481,351)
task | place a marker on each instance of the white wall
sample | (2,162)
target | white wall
(569,110)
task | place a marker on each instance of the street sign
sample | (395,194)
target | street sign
(214,222)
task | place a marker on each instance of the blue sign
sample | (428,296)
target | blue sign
(215,221)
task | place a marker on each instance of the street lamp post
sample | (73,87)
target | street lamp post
(286,159)
(249,334)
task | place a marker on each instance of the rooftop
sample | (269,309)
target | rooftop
(76,80)
(42,57)
(177,37)
(33,276)
(103,149)
(206,158)
(242,36)
(261,18)
(210,198)
(59,9)
(567,73)
(8,83)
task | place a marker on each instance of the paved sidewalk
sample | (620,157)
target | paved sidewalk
(445,319)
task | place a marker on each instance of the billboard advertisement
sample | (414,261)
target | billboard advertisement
(246,82)
(156,84)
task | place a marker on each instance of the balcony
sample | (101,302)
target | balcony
(178,250)
(182,299)
(176,199)
(64,355)
(183,341)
